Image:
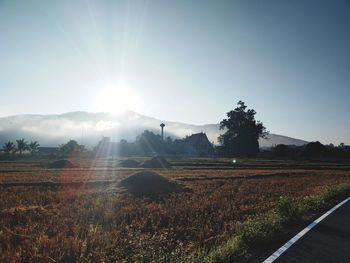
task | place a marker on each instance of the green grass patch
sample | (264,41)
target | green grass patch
(265,228)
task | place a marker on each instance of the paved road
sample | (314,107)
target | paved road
(327,242)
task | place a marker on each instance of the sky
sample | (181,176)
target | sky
(185,61)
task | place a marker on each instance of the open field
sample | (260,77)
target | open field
(88,221)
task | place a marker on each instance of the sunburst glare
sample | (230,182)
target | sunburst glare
(117,100)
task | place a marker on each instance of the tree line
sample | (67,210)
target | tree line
(150,144)
(20,146)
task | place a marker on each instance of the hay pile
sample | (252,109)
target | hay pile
(129,163)
(62,164)
(156,162)
(150,184)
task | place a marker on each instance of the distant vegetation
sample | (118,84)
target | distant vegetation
(242,132)
(10,148)
(70,147)
(150,144)
(310,151)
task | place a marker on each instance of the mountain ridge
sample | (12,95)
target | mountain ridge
(88,128)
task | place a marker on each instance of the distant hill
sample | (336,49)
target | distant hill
(275,139)
(88,128)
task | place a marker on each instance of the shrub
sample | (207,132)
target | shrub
(288,210)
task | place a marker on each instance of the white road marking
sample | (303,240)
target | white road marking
(287,245)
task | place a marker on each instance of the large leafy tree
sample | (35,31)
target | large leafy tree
(9,147)
(22,146)
(242,132)
(71,146)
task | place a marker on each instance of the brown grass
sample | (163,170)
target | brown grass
(84,223)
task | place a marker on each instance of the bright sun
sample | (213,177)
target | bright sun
(117,100)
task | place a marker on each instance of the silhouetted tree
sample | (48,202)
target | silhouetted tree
(22,146)
(71,146)
(124,148)
(243,132)
(150,143)
(33,147)
(9,147)
(315,149)
(281,150)
(168,140)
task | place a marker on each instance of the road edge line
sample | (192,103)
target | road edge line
(289,243)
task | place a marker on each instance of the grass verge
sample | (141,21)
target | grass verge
(257,234)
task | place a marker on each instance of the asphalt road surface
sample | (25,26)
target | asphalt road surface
(327,242)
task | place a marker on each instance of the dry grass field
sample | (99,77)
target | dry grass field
(90,221)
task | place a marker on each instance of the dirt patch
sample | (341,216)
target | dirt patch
(151,184)
(129,163)
(62,164)
(156,162)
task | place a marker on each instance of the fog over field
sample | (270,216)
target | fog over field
(88,128)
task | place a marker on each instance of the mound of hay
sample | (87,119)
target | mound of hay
(62,164)
(156,162)
(150,184)
(129,163)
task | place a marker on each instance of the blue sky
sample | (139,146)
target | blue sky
(187,61)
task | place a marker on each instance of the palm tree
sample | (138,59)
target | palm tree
(22,145)
(9,147)
(33,147)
